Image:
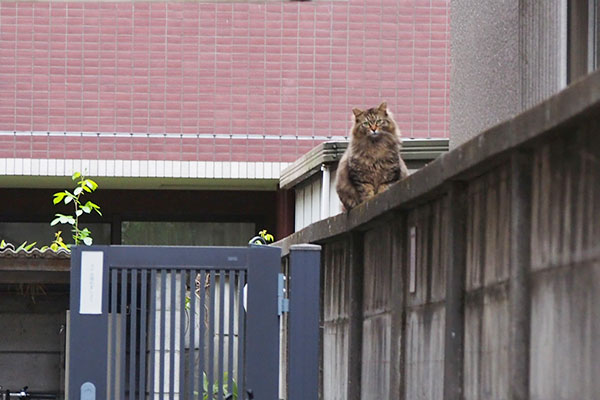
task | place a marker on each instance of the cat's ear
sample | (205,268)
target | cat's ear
(356,112)
(382,107)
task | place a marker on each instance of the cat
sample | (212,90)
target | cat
(372,161)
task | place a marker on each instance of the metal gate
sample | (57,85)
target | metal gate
(174,323)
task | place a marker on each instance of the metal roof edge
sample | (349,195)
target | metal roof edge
(330,152)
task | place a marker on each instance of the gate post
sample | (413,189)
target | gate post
(88,342)
(304,313)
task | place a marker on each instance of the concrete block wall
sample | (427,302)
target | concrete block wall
(31,339)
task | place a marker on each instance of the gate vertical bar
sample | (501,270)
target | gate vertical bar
(520,259)
(221,350)
(455,292)
(161,353)
(133,334)
(230,330)
(211,334)
(143,319)
(123,341)
(89,328)
(201,329)
(303,337)
(182,310)
(113,334)
(192,351)
(172,332)
(152,336)
(241,329)
(262,324)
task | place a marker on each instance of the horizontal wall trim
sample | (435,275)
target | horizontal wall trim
(184,172)
(174,136)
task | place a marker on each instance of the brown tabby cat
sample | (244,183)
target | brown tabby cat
(372,160)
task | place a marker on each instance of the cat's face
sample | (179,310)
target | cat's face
(373,122)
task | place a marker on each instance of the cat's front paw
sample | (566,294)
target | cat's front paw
(349,205)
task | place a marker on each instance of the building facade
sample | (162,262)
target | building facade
(511,55)
(178,103)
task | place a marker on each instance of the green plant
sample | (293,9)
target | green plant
(57,243)
(262,238)
(83,186)
(213,393)
(23,246)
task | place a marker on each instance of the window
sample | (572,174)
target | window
(42,233)
(583,37)
(187,233)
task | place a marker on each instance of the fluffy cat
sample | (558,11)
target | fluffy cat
(372,161)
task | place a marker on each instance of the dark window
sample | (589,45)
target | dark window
(583,38)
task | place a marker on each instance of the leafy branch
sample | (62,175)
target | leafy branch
(84,185)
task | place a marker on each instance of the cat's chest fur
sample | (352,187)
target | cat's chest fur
(374,163)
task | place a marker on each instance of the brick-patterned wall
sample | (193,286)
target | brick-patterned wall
(289,68)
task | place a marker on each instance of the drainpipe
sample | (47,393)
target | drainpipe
(325,178)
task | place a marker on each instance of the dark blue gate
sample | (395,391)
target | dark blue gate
(174,323)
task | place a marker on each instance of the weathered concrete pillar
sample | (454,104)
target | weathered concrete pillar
(455,292)
(520,260)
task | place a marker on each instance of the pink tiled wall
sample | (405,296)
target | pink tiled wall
(289,68)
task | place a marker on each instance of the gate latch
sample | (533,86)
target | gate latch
(283,304)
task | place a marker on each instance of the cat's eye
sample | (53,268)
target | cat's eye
(365,123)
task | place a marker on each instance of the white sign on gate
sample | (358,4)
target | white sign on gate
(90,294)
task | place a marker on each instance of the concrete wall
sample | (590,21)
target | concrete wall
(408,357)
(31,339)
(506,56)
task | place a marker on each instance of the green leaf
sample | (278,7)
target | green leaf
(54,246)
(76,175)
(68,199)
(79,213)
(94,206)
(58,197)
(87,189)
(44,248)
(30,246)
(21,247)
(77,191)
(87,241)
(91,184)
(55,221)
(64,219)
(2,244)
(86,209)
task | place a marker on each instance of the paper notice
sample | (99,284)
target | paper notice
(90,296)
